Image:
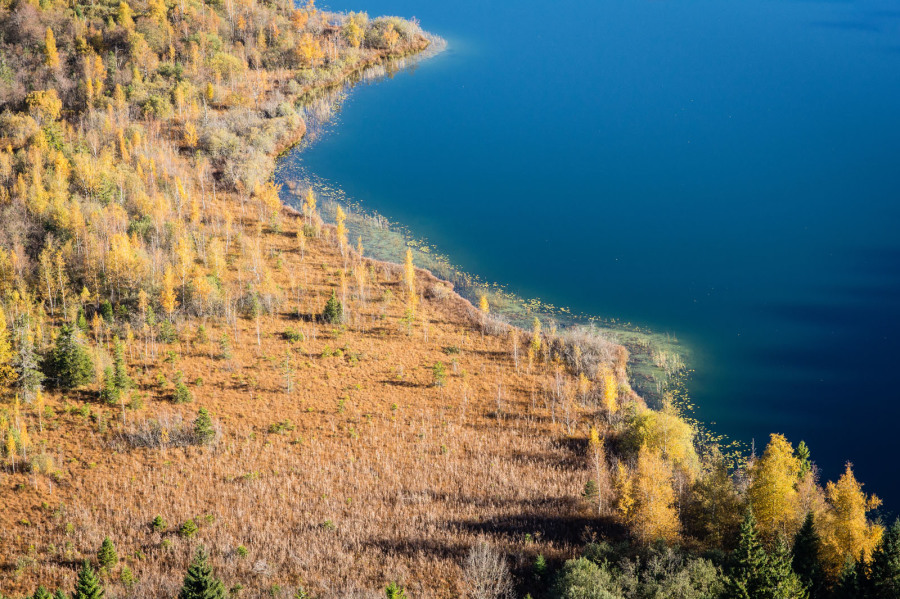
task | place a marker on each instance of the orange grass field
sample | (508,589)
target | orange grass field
(364,472)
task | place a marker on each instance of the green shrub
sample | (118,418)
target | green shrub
(188,529)
(334,310)
(69,364)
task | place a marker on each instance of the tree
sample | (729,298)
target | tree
(51,55)
(167,294)
(655,515)
(120,371)
(28,375)
(394,591)
(773,490)
(486,573)
(42,593)
(746,572)
(200,582)
(87,586)
(340,218)
(483,304)
(583,579)
(884,568)
(334,310)
(409,278)
(845,530)
(807,562)
(7,372)
(107,556)
(203,427)
(714,510)
(781,581)
(69,364)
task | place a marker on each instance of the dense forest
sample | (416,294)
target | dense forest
(204,393)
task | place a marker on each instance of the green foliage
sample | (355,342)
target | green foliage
(802,453)
(540,567)
(394,591)
(181,394)
(42,593)
(204,431)
(756,574)
(69,364)
(106,311)
(591,491)
(807,561)
(884,569)
(583,579)
(158,524)
(200,581)
(334,310)
(292,335)
(225,347)
(439,374)
(188,529)
(107,556)
(87,586)
(127,577)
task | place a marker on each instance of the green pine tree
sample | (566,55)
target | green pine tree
(802,453)
(107,556)
(746,579)
(59,594)
(88,584)
(42,593)
(120,371)
(394,591)
(69,364)
(806,561)
(334,310)
(200,582)
(884,575)
(852,581)
(781,580)
(108,390)
(203,427)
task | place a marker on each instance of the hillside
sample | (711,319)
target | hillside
(186,362)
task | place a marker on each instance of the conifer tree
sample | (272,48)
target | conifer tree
(807,561)
(200,582)
(852,581)
(781,581)
(334,310)
(884,568)
(107,556)
(88,584)
(42,593)
(746,578)
(203,427)
(28,376)
(69,364)
(121,380)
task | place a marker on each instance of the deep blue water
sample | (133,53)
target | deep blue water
(727,171)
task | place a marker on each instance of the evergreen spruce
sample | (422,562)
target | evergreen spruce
(69,364)
(746,578)
(203,427)
(108,390)
(884,575)
(59,595)
(806,561)
(394,591)
(120,371)
(199,582)
(852,581)
(88,584)
(781,582)
(107,556)
(42,593)
(334,310)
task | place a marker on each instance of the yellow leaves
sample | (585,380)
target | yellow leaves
(844,529)
(773,490)
(655,515)
(624,491)
(390,36)
(535,336)
(309,51)
(190,135)
(609,388)
(167,293)
(340,218)
(45,106)
(7,373)
(309,204)
(51,54)
(299,19)
(665,432)
(353,33)
(269,202)
(158,11)
(483,304)
(409,278)
(124,16)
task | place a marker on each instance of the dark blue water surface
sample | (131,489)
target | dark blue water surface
(728,171)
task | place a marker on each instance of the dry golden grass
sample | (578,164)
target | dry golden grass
(380,475)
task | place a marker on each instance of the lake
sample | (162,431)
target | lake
(725,171)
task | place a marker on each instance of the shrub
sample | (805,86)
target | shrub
(188,529)
(293,335)
(439,371)
(158,524)
(182,394)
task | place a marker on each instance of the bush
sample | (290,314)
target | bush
(188,529)
(107,556)
(182,394)
(203,427)
(583,579)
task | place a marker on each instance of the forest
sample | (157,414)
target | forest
(206,393)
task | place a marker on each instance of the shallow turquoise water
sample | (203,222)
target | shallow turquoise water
(726,171)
